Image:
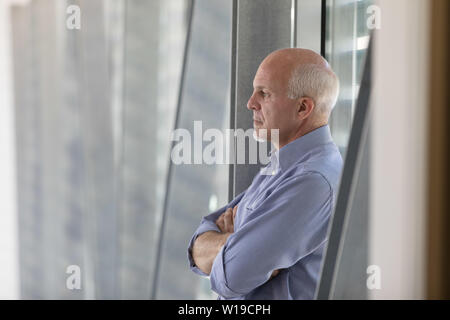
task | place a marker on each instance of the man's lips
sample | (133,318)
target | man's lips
(256,120)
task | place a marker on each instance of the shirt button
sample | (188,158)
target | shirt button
(273,172)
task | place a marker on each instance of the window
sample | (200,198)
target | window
(346,41)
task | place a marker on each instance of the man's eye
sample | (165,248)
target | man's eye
(264,94)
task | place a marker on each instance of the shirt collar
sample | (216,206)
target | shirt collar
(294,150)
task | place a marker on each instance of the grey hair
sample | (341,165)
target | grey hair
(316,82)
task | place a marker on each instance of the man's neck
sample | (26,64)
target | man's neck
(302,130)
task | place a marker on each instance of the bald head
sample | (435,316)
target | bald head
(292,57)
(303,72)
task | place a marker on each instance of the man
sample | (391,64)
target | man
(269,241)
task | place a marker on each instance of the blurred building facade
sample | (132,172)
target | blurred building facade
(95,109)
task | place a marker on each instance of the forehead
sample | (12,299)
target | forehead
(270,77)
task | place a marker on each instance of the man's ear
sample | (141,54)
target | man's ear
(305,107)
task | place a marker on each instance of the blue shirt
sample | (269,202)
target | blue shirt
(281,223)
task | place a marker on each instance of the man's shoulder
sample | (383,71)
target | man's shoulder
(325,163)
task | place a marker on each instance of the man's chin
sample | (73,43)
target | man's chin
(257,137)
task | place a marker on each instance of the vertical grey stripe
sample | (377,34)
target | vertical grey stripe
(169,172)
(257,35)
(233,95)
(294,24)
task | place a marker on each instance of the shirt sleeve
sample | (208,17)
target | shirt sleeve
(208,223)
(286,226)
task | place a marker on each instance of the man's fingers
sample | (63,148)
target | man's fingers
(221,223)
(228,220)
(274,274)
(234,212)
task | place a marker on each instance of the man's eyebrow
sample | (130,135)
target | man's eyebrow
(260,87)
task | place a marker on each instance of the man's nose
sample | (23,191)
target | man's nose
(252,104)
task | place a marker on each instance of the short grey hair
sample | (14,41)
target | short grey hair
(316,82)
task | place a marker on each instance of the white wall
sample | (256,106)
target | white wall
(398,174)
(9,264)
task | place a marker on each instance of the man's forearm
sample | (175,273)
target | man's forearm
(206,247)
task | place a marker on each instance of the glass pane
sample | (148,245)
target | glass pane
(94,109)
(347,38)
(152,54)
(198,189)
(346,48)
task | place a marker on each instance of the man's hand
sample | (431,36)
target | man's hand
(206,247)
(226,220)
(208,244)
(274,274)
(226,225)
